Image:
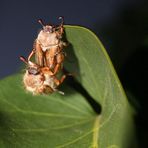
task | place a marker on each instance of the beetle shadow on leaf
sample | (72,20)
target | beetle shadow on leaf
(71,66)
(71,63)
(72,83)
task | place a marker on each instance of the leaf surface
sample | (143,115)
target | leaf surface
(69,121)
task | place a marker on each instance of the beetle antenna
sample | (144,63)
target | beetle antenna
(23,59)
(41,22)
(62,20)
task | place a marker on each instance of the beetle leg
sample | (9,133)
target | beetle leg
(39,54)
(48,89)
(50,58)
(62,79)
(46,70)
(61,29)
(58,82)
(59,32)
(59,61)
(57,68)
(31,54)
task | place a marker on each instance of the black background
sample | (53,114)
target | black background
(121,25)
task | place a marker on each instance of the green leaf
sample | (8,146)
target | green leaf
(48,121)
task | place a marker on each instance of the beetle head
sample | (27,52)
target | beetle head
(47,28)
(32,68)
(50,28)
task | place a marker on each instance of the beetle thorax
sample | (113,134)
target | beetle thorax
(47,39)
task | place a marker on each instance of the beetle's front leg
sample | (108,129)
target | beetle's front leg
(39,54)
(60,31)
(50,58)
(61,27)
(31,54)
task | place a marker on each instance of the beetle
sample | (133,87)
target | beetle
(48,47)
(40,80)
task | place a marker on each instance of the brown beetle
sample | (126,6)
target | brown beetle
(40,80)
(48,47)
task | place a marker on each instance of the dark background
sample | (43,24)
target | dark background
(121,25)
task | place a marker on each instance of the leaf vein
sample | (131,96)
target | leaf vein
(40,113)
(47,129)
(95,130)
(67,104)
(111,114)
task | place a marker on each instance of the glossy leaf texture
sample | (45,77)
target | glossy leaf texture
(69,121)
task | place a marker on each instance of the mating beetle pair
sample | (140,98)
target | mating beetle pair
(40,76)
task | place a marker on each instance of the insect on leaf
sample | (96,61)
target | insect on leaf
(69,121)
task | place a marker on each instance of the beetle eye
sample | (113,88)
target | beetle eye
(33,71)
